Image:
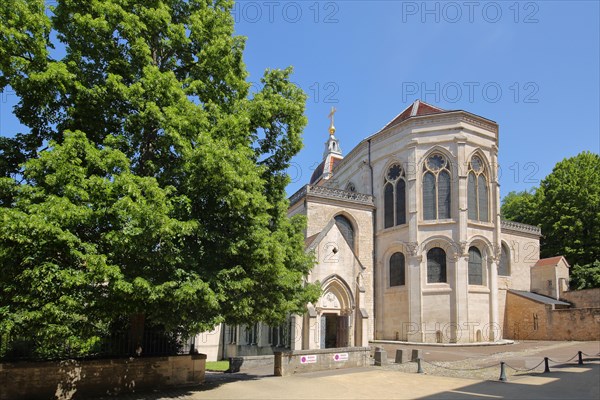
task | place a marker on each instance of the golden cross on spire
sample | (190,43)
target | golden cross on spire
(330,116)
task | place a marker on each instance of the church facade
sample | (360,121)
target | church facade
(408,239)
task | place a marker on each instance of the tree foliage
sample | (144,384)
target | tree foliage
(585,276)
(567,208)
(148,179)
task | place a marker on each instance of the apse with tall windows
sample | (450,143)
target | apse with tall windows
(394,196)
(437,189)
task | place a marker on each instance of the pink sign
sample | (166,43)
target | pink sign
(310,359)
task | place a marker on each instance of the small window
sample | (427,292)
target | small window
(504,266)
(397,270)
(436,265)
(475,267)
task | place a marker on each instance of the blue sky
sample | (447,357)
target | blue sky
(531,66)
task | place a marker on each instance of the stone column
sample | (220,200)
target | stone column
(414,329)
(495,330)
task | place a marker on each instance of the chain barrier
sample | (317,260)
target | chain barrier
(564,362)
(459,369)
(524,370)
(502,365)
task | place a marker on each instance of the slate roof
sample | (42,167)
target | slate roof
(539,298)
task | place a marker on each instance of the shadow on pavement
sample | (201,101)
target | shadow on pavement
(565,381)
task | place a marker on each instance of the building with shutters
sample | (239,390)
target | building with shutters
(407,235)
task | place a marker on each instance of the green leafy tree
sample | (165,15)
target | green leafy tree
(162,85)
(570,210)
(521,207)
(567,208)
(585,276)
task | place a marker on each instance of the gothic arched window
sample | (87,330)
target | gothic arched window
(394,196)
(436,188)
(504,266)
(475,267)
(436,265)
(345,227)
(397,271)
(478,192)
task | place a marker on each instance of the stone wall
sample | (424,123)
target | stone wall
(582,298)
(241,364)
(302,361)
(82,378)
(529,320)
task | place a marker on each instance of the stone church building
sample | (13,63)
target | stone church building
(409,243)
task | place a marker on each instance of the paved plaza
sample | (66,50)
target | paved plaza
(457,378)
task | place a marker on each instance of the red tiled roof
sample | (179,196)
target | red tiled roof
(550,261)
(417,108)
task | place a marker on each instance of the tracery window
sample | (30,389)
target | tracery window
(475,267)
(436,187)
(397,270)
(478,192)
(436,265)
(394,196)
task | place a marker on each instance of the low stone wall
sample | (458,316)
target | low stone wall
(241,364)
(586,298)
(70,379)
(301,361)
(529,320)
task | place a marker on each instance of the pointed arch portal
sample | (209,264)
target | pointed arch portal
(336,307)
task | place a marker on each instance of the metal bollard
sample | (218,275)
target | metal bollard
(546,365)
(419,368)
(580,358)
(502,372)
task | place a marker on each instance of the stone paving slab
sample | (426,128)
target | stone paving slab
(565,381)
